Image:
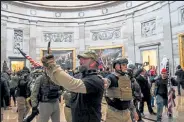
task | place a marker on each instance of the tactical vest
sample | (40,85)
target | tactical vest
(49,92)
(123,91)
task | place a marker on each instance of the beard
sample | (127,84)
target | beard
(83,68)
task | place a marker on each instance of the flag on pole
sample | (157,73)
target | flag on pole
(100,63)
(100,60)
(170,92)
(34,63)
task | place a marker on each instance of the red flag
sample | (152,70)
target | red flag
(34,63)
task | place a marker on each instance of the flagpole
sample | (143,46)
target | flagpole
(34,63)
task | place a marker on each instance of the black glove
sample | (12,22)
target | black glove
(48,60)
(35,110)
(34,113)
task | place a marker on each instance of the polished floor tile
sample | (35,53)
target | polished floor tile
(178,110)
(178,116)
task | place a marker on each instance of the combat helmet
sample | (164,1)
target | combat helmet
(119,61)
(25,70)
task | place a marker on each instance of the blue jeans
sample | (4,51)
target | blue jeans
(152,101)
(161,102)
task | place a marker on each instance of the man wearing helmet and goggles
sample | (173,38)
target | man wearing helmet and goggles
(119,93)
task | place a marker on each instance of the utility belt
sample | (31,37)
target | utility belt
(116,110)
(49,100)
(45,98)
(124,94)
(118,104)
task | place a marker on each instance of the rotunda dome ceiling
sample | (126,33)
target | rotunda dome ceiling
(66,4)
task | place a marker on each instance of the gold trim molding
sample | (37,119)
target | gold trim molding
(181,49)
(107,47)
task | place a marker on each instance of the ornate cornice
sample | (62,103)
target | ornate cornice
(58,7)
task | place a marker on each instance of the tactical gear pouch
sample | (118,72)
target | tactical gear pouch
(49,91)
(53,95)
(125,94)
(123,91)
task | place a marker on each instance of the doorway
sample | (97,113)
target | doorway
(17,64)
(149,56)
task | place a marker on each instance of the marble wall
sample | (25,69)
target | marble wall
(138,25)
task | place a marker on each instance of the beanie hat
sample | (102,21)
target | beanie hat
(178,67)
(164,70)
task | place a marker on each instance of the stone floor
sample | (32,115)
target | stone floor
(178,116)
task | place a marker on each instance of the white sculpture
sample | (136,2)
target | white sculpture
(164,62)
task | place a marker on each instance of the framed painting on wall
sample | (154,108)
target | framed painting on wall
(181,49)
(107,54)
(64,57)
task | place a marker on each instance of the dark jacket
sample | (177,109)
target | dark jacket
(22,89)
(7,77)
(145,88)
(87,107)
(180,75)
(161,87)
(136,89)
(4,91)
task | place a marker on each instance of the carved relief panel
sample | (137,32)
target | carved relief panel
(58,37)
(18,41)
(148,28)
(106,34)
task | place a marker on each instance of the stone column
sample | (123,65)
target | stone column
(167,36)
(4,39)
(81,36)
(32,40)
(129,36)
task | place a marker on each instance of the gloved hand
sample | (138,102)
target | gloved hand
(48,60)
(35,110)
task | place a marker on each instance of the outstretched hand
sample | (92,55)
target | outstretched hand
(48,60)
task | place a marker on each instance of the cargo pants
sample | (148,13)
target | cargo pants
(22,107)
(2,110)
(49,109)
(103,109)
(114,115)
(68,114)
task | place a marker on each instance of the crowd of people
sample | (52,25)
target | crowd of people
(90,94)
